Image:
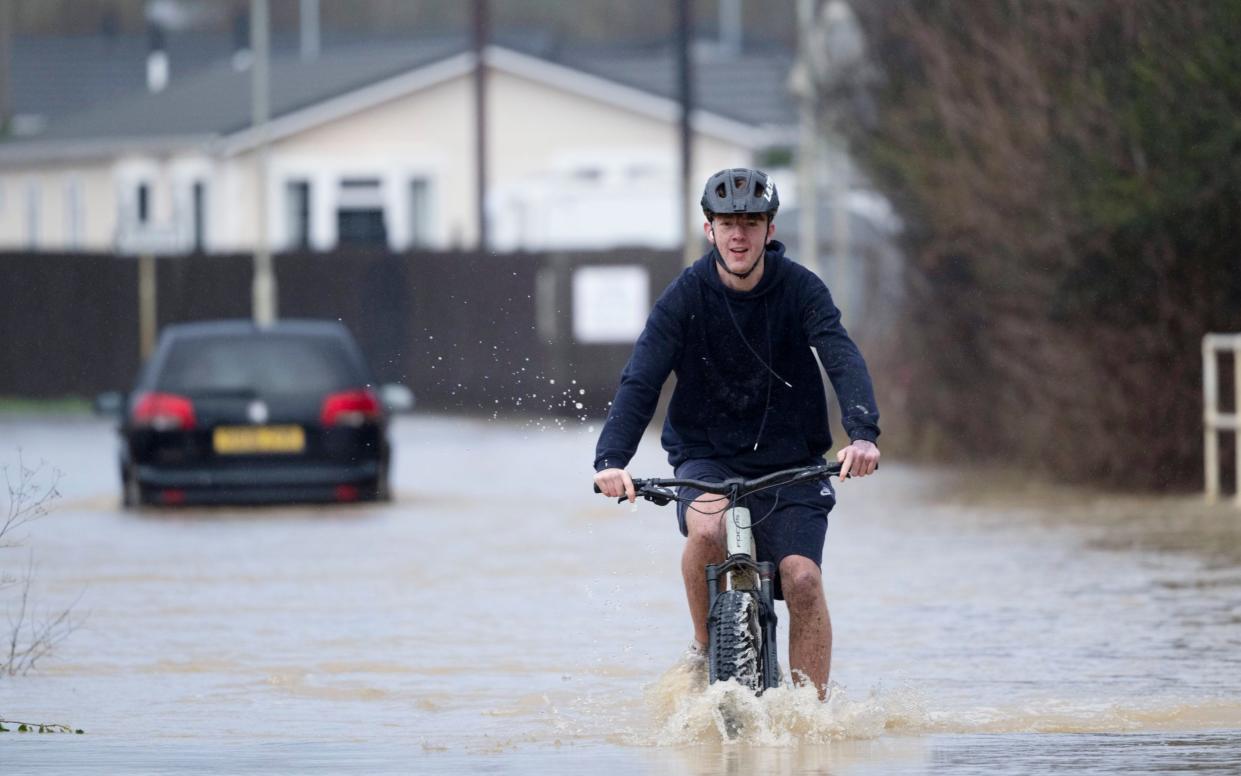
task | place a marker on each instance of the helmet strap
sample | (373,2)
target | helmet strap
(719,259)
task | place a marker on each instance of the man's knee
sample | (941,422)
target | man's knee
(703,527)
(801,580)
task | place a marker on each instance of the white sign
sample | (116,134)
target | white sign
(610,304)
(150,240)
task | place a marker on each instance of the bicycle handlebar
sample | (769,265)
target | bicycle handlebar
(656,490)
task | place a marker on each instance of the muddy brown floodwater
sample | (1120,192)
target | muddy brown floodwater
(498,617)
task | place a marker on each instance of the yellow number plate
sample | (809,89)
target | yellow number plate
(241,440)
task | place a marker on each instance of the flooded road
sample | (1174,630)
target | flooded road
(498,617)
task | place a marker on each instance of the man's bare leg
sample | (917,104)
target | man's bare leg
(810,625)
(704,545)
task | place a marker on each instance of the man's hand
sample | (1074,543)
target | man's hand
(859,459)
(615,483)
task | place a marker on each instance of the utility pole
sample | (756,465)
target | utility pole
(845,51)
(480,115)
(264,291)
(685,80)
(6,36)
(308,20)
(807,140)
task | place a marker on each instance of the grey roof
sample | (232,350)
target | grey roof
(104,79)
(216,100)
(750,87)
(55,76)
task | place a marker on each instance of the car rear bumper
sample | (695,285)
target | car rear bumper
(261,484)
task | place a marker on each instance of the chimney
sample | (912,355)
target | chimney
(243,57)
(157,58)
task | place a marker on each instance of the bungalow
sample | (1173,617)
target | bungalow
(375,144)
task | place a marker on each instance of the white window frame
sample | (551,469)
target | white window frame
(292,240)
(34,214)
(75,214)
(421,220)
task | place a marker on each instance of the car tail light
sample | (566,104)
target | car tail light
(164,412)
(350,408)
(172,496)
(347,493)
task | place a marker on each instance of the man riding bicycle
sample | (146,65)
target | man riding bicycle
(737,328)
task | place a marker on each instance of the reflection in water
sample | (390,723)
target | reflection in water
(499,617)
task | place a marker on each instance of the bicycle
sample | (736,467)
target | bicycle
(741,620)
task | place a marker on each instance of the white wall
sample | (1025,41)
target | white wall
(419,136)
(574,172)
(541,140)
(60,225)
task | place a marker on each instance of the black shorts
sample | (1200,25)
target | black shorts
(787,520)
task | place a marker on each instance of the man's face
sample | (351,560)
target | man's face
(740,237)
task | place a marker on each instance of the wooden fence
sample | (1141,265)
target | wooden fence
(466,331)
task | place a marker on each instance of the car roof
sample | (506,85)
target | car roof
(244,326)
(320,329)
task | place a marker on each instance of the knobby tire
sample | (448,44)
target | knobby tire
(738,640)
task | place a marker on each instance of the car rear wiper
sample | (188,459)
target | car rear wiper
(238,392)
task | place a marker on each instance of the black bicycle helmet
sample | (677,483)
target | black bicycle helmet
(740,190)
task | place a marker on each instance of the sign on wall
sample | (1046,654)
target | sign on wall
(610,303)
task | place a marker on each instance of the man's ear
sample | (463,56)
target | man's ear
(709,232)
(771,230)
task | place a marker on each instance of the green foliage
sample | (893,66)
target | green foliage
(1070,173)
(775,157)
(38,727)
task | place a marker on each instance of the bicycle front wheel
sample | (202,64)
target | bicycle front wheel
(736,640)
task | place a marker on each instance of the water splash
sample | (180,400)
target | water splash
(688,711)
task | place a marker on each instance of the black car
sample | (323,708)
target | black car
(230,411)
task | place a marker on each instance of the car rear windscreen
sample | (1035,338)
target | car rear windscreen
(265,364)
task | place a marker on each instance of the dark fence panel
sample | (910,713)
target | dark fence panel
(473,344)
(68,323)
(202,288)
(483,333)
(365,290)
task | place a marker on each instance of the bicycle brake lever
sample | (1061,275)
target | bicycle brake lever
(659,497)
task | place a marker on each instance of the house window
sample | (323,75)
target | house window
(143,204)
(360,213)
(297,214)
(33,196)
(198,204)
(419,213)
(74,216)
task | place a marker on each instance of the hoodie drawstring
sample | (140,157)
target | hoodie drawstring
(770,372)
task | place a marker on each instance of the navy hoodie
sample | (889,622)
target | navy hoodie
(748,391)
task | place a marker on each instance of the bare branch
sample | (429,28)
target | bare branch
(31,636)
(28,497)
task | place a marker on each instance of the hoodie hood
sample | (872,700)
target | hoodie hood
(773,272)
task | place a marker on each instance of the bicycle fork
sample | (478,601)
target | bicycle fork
(741,571)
